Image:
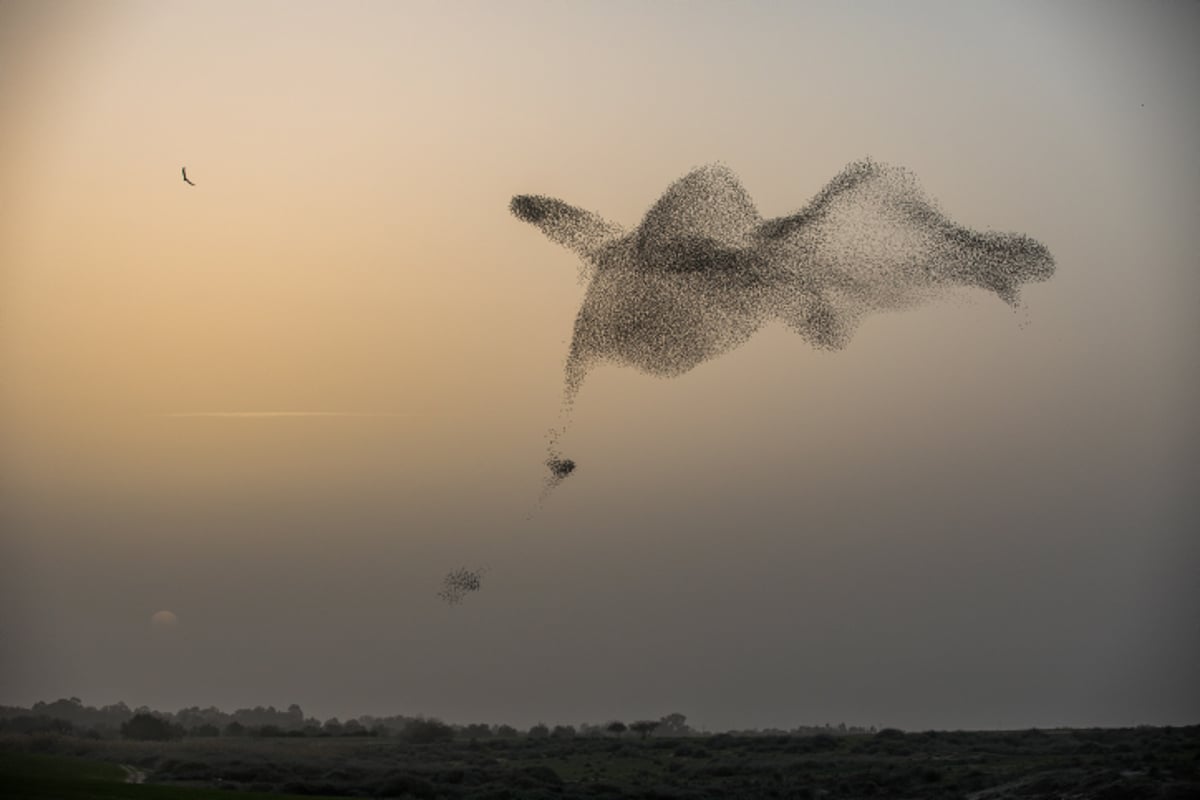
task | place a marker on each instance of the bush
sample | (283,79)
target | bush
(823,741)
(403,784)
(426,731)
(542,774)
(151,728)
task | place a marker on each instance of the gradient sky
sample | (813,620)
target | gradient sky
(969,518)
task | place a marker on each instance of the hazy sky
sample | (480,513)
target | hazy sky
(970,517)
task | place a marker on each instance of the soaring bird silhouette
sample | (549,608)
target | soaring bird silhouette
(185,178)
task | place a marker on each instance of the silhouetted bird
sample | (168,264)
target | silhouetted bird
(185,178)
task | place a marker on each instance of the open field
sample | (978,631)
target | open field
(40,777)
(1102,764)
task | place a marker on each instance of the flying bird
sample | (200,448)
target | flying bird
(703,271)
(185,178)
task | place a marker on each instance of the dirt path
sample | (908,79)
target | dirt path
(133,774)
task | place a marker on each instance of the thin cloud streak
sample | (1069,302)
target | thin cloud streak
(260,414)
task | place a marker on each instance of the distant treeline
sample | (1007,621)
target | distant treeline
(69,716)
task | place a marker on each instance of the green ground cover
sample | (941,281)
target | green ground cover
(25,776)
(1109,764)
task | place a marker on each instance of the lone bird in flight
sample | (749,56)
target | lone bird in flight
(185,178)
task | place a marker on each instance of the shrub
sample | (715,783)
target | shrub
(151,728)
(426,731)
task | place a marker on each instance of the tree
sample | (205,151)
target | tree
(39,724)
(235,728)
(150,727)
(477,730)
(539,731)
(674,725)
(426,731)
(644,727)
(563,732)
(616,727)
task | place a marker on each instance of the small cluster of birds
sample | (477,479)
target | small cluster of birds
(460,582)
(560,467)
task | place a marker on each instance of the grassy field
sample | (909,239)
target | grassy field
(25,776)
(1142,763)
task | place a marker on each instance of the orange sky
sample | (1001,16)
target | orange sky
(347,248)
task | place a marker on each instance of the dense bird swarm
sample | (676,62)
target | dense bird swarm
(460,582)
(703,271)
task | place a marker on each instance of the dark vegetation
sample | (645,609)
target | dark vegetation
(429,759)
(40,777)
(70,716)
